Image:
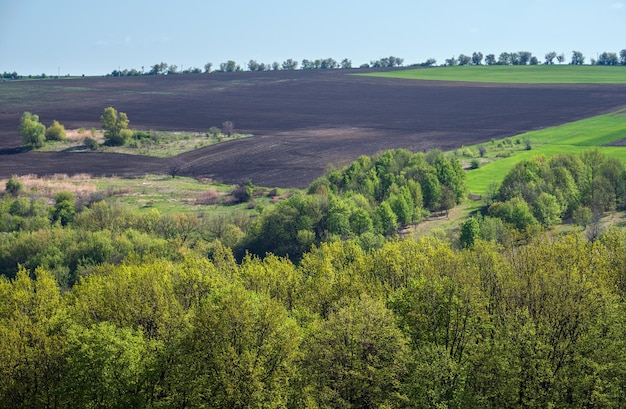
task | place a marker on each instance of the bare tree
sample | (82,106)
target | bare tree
(176,166)
(228,128)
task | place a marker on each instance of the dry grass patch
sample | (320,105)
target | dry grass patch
(80,185)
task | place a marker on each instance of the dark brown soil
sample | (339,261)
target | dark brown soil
(302,120)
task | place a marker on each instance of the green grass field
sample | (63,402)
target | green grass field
(520,74)
(574,137)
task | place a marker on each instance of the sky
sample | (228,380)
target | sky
(85,37)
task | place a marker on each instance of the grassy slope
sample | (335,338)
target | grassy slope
(574,138)
(521,74)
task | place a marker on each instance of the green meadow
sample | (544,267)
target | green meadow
(574,137)
(520,74)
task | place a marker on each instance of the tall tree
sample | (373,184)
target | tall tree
(577,58)
(114,125)
(477,58)
(549,57)
(31,130)
(239,351)
(31,340)
(289,64)
(357,358)
(524,57)
(607,59)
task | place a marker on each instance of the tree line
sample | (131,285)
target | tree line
(526,58)
(476,58)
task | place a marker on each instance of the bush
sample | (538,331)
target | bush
(56,132)
(14,186)
(139,135)
(91,143)
(528,144)
(474,164)
(211,196)
(242,193)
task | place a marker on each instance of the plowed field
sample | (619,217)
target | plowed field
(302,120)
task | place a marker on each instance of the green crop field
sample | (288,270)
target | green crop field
(573,137)
(521,74)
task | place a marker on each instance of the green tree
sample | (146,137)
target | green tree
(386,221)
(477,58)
(514,211)
(107,367)
(431,190)
(115,125)
(63,210)
(229,66)
(31,130)
(31,340)
(357,358)
(577,58)
(56,132)
(547,210)
(239,352)
(470,231)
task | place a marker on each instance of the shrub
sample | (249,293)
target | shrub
(474,164)
(91,143)
(139,135)
(56,132)
(214,132)
(211,196)
(242,193)
(528,144)
(14,186)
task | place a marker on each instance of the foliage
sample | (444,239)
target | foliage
(56,132)
(115,125)
(559,186)
(31,130)
(14,186)
(470,230)
(412,324)
(376,195)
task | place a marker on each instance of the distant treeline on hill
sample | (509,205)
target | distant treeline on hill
(477,58)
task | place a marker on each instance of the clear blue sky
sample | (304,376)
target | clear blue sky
(93,38)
